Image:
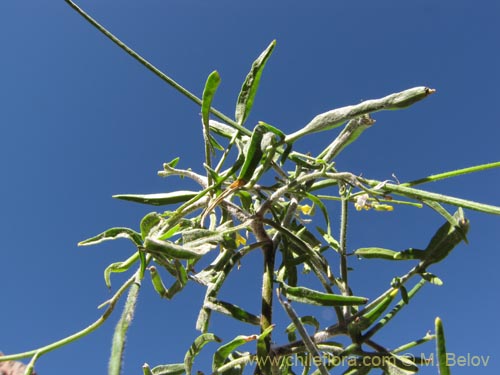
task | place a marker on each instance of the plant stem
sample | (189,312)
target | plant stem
(343,246)
(457,172)
(268,251)
(153,68)
(426,195)
(55,345)
(308,342)
(120,335)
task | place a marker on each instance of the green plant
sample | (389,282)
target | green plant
(239,195)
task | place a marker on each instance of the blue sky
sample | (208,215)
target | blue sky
(80,121)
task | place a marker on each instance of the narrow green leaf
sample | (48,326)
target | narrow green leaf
(169,233)
(195,349)
(173,163)
(214,144)
(222,353)
(211,86)
(172,250)
(337,117)
(375,253)
(113,234)
(199,236)
(119,267)
(253,155)
(251,84)
(160,199)
(369,315)
(441,348)
(334,244)
(313,297)
(429,196)
(454,173)
(170,369)
(394,311)
(232,310)
(273,129)
(148,223)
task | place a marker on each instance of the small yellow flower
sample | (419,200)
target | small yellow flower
(240,240)
(362,202)
(306,209)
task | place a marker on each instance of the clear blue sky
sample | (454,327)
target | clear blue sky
(80,121)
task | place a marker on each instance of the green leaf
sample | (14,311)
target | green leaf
(223,352)
(446,238)
(200,236)
(113,234)
(232,310)
(211,85)
(173,163)
(441,348)
(171,250)
(251,84)
(170,369)
(119,267)
(332,242)
(195,349)
(149,222)
(337,117)
(253,155)
(376,253)
(160,199)
(428,196)
(313,297)
(262,350)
